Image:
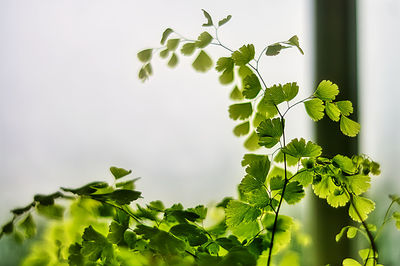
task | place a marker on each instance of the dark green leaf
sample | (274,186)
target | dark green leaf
(28,226)
(193,234)
(228,242)
(238,256)
(166,244)
(164,53)
(87,189)
(225,20)
(95,245)
(145,55)
(209,19)
(165,35)
(240,111)
(252,86)
(224,63)
(130,239)
(244,55)
(274,49)
(119,172)
(294,192)
(75,257)
(8,228)
(295,42)
(203,62)
(269,132)
(47,199)
(51,211)
(226,77)
(120,196)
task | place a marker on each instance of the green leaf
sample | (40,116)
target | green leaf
(274,49)
(75,257)
(47,199)
(165,35)
(119,172)
(121,196)
(266,106)
(351,232)
(166,244)
(242,129)
(275,94)
(51,211)
(295,42)
(145,55)
(244,71)
(259,169)
(172,44)
(251,142)
(238,256)
(326,91)
(28,226)
(315,109)
(203,62)
(204,39)
(290,90)
(244,55)
(269,132)
(252,86)
(344,163)
(349,127)
(236,94)
(200,210)
(226,77)
(95,245)
(87,189)
(19,211)
(149,70)
(192,233)
(350,262)
(290,160)
(188,48)
(258,118)
(338,198)
(238,212)
(324,188)
(276,183)
(250,158)
(345,107)
(258,197)
(340,234)
(223,21)
(304,177)
(359,184)
(362,207)
(240,111)
(299,149)
(173,61)
(294,192)
(164,53)
(224,63)
(130,239)
(7,228)
(130,184)
(118,227)
(228,242)
(332,111)
(209,19)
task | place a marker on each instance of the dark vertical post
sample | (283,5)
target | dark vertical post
(336,60)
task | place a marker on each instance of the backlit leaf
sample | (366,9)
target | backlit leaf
(315,109)
(119,172)
(242,129)
(332,111)
(225,20)
(193,234)
(294,192)
(145,55)
(252,86)
(345,107)
(244,55)
(165,35)
(203,62)
(290,160)
(204,39)
(298,148)
(274,49)
(350,262)
(362,207)
(209,19)
(326,91)
(349,127)
(269,132)
(172,44)
(290,90)
(240,111)
(238,212)
(236,94)
(188,48)
(251,142)
(295,42)
(173,61)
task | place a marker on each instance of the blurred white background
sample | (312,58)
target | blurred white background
(71,104)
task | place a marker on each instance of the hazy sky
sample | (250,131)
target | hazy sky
(71,104)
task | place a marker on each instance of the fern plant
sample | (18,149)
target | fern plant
(102,228)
